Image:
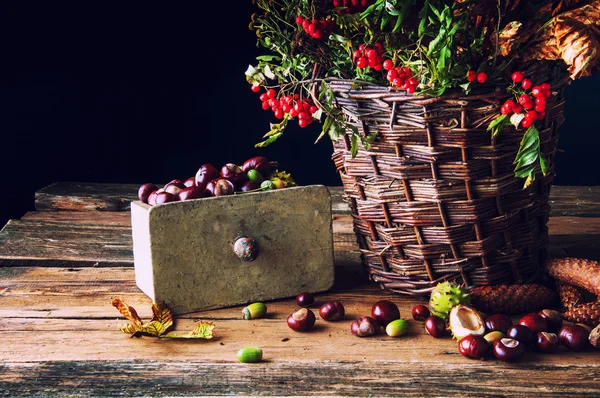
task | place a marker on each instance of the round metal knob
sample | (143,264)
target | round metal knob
(246,249)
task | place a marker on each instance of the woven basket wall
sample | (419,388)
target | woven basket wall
(435,198)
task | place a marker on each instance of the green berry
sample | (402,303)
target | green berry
(255,175)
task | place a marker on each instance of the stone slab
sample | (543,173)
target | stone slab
(183,251)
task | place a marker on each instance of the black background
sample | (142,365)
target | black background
(138,92)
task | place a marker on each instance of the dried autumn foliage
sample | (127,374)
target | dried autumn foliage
(161,321)
(573,35)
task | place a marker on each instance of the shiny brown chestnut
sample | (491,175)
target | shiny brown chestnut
(224,187)
(553,318)
(535,322)
(435,326)
(420,312)
(190,182)
(165,197)
(305,299)
(174,189)
(574,337)
(249,186)
(234,173)
(498,322)
(192,192)
(365,326)
(520,333)
(175,182)
(546,342)
(384,311)
(145,190)
(301,320)
(332,311)
(152,198)
(509,350)
(259,163)
(206,173)
(474,347)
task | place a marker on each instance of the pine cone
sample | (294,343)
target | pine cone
(584,313)
(512,299)
(576,271)
(570,295)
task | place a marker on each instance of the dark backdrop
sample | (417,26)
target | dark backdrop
(137,92)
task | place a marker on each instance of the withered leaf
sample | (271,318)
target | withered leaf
(154,328)
(128,312)
(509,37)
(162,314)
(202,330)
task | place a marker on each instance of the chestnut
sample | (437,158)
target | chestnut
(365,326)
(190,182)
(249,186)
(152,198)
(219,187)
(535,322)
(509,350)
(234,173)
(553,318)
(574,337)
(207,172)
(384,311)
(520,333)
(420,312)
(546,342)
(165,197)
(435,326)
(305,299)
(472,346)
(259,163)
(301,320)
(498,322)
(210,186)
(174,189)
(332,311)
(176,182)
(145,190)
(192,192)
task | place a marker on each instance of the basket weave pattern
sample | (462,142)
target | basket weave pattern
(435,197)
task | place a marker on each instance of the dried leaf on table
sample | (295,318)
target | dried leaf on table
(162,314)
(128,312)
(202,330)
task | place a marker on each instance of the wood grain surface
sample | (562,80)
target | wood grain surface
(59,271)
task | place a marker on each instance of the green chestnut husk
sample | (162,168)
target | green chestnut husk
(446,295)
(250,354)
(254,311)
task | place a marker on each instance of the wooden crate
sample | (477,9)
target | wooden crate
(183,251)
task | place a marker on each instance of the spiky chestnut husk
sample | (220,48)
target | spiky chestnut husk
(576,271)
(588,314)
(446,295)
(570,295)
(512,299)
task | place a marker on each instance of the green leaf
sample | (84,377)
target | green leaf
(526,159)
(339,38)
(524,172)
(532,135)
(544,164)
(371,8)
(153,328)
(498,124)
(354,147)
(269,140)
(268,58)
(384,20)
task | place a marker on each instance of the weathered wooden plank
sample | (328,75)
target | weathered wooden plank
(75,239)
(566,201)
(398,378)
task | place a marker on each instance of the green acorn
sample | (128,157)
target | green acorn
(445,296)
(254,310)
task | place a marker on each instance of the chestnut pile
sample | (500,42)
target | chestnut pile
(256,174)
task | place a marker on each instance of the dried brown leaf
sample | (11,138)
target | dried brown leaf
(161,313)
(511,35)
(128,312)
(202,330)
(130,328)
(558,7)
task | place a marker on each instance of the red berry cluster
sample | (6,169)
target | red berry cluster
(369,56)
(473,75)
(352,6)
(400,77)
(315,27)
(535,107)
(293,105)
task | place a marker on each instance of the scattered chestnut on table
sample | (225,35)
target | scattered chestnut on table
(145,190)
(332,311)
(435,326)
(553,318)
(520,333)
(498,322)
(546,342)
(305,299)
(535,322)
(301,320)
(472,346)
(574,337)
(420,312)
(509,350)
(365,326)
(384,311)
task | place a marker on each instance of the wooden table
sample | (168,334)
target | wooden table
(60,270)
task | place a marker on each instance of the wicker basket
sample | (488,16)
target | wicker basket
(435,197)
